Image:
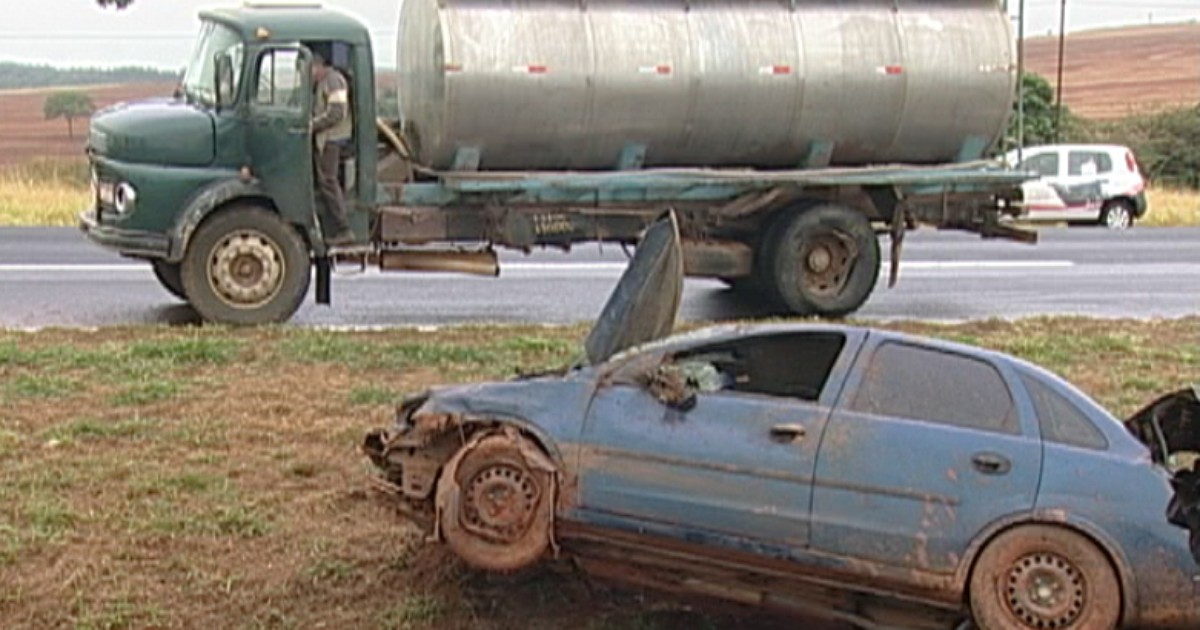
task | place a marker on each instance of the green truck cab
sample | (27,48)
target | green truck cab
(214,187)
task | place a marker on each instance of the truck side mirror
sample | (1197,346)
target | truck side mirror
(223,77)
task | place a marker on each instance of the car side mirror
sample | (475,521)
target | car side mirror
(669,385)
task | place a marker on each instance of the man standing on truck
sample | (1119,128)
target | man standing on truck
(332,128)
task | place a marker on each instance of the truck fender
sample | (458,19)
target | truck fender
(204,202)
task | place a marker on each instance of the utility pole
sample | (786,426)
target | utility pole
(1062,44)
(1021,81)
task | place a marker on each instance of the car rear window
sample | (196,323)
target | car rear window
(1089,163)
(1061,421)
(917,383)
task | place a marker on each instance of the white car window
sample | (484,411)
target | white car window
(1044,164)
(1088,163)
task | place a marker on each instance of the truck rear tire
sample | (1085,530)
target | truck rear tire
(822,261)
(170,276)
(246,266)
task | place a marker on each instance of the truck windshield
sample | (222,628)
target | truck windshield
(199,81)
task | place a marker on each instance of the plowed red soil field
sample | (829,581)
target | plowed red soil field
(26,134)
(1112,73)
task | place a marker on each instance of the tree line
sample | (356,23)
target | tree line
(1166,141)
(19,75)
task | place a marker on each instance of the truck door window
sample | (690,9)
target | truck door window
(929,385)
(1044,164)
(200,79)
(280,79)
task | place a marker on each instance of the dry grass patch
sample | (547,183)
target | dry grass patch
(1170,207)
(44,192)
(179,478)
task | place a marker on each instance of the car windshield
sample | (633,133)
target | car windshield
(199,82)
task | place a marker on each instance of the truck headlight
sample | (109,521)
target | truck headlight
(124,198)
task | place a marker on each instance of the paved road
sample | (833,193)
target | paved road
(53,277)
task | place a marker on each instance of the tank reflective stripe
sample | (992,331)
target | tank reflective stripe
(890,70)
(452,67)
(775,70)
(659,69)
(531,69)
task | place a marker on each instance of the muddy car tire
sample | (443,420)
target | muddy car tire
(246,266)
(170,276)
(822,261)
(1037,577)
(496,509)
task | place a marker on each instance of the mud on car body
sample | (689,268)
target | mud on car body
(866,476)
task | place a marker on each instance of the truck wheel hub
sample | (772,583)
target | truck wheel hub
(246,269)
(827,264)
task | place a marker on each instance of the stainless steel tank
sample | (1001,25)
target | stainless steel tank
(602,84)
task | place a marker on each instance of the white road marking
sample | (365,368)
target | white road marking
(573,267)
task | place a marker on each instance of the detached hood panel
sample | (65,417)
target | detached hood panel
(643,306)
(162,131)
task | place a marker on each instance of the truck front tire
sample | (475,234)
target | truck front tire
(246,266)
(823,260)
(170,276)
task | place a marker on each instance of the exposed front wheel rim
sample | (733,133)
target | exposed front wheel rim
(246,269)
(827,261)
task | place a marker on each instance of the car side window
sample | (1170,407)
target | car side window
(1088,163)
(280,79)
(787,365)
(1044,164)
(916,383)
(1061,421)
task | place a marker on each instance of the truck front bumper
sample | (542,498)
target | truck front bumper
(134,243)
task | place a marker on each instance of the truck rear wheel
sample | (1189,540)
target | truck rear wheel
(246,266)
(170,276)
(822,261)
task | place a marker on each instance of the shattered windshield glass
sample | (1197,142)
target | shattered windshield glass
(199,81)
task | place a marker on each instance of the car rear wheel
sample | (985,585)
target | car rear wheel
(1117,215)
(497,509)
(1040,577)
(170,276)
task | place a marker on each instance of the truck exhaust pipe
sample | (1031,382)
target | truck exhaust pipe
(478,263)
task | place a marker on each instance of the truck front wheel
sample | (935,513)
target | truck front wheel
(823,261)
(246,266)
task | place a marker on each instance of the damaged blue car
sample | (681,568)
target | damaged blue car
(870,477)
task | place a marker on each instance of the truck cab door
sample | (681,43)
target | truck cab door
(278,140)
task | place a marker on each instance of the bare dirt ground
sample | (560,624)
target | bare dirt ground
(25,133)
(209,478)
(1112,73)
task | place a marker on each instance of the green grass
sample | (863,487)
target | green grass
(215,473)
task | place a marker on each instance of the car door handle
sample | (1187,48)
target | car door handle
(788,433)
(991,463)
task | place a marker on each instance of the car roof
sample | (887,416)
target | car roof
(1076,147)
(732,332)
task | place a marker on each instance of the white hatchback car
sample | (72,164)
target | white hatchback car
(1082,184)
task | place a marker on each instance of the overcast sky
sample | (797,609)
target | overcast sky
(159,32)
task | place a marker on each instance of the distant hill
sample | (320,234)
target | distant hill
(1112,73)
(23,76)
